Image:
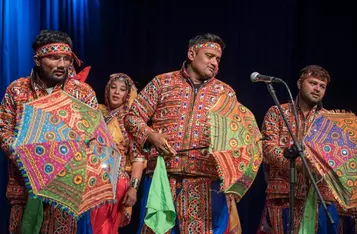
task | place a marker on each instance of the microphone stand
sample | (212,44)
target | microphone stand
(293,174)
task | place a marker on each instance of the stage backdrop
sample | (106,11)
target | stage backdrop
(146,38)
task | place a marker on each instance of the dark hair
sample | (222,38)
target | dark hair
(50,36)
(207,37)
(315,71)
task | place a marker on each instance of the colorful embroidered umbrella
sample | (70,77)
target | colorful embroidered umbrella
(235,144)
(330,146)
(66,154)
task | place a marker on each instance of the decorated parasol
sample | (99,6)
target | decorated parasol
(66,153)
(235,144)
(330,146)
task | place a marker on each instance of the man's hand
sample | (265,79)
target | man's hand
(161,144)
(130,197)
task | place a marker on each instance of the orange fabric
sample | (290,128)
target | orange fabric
(234,226)
(108,218)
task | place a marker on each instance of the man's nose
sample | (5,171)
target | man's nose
(214,62)
(61,62)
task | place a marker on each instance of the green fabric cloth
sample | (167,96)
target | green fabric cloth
(160,210)
(308,223)
(33,217)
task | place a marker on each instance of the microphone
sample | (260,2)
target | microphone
(256,77)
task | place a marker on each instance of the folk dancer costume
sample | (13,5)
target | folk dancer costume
(275,216)
(108,218)
(177,107)
(25,90)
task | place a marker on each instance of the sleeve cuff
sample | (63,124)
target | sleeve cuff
(143,136)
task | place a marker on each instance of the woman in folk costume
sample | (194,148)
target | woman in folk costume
(120,93)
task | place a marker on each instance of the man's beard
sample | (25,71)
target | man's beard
(309,101)
(53,80)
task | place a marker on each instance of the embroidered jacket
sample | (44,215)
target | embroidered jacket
(174,106)
(277,138)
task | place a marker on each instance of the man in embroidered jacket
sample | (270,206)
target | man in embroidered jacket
(312,86)
(177,103)
(53,59)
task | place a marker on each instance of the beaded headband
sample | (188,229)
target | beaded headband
(211,45)
(57,48)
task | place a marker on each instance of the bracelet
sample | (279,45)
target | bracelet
(134,183)
(138,160)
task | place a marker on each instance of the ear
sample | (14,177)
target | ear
(191,54)
(37,61)
(299,83)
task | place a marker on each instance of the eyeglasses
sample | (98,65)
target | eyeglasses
(58,58)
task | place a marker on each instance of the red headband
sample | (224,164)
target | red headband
(57,48)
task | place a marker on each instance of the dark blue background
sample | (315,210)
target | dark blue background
(146,38)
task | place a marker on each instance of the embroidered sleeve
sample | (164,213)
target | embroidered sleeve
(7,123)
(83,92)
(272,150)
(142,111)
(231,93)
(89,96)
(136,153)
(91,99)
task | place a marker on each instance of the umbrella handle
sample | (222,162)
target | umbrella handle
(197,148)
(88,141)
